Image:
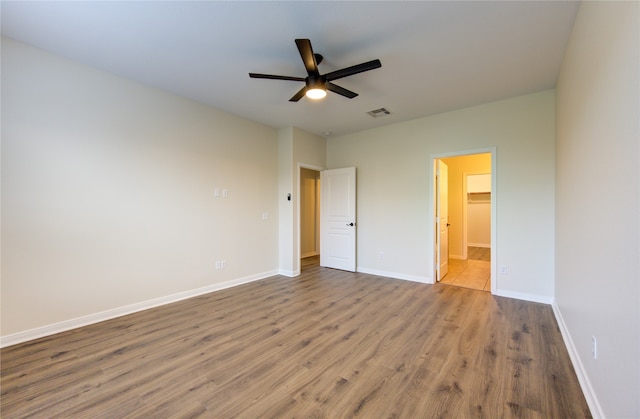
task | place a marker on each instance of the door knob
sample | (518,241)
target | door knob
(350,225)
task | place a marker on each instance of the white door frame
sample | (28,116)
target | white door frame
(310,167)
(431,250)
(440,222)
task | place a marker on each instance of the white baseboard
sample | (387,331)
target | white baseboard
(457,257)
(395,275)
(583,378)
(289,273)
(524,296)
(65,325)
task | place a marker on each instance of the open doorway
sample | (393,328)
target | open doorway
(465,203)
(309,218)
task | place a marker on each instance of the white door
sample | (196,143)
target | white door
(442,219)
(338,219)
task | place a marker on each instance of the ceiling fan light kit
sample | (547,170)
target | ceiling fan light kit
(316,93)
(316,85)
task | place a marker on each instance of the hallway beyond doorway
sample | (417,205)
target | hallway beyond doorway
(474,273)
(309,262)
(479,253)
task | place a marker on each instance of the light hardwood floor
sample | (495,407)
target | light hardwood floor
(327,344)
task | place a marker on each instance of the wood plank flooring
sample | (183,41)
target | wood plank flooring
(328,344)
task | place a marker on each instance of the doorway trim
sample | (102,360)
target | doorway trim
(299,223)
(431,249)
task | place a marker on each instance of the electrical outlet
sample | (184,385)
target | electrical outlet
(223,264)
(218,265)
(504,270)
(265,215)
(380,255)
(594,347)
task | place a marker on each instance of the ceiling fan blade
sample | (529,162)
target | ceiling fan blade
(274,77)
(299,95)
(309,60)
(341,90)
(355,69)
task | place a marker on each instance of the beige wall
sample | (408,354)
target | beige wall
(394,166)
(108,193)
(458,168)
(286,177)
(597,214)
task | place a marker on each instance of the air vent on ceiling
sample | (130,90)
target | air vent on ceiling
(378,113)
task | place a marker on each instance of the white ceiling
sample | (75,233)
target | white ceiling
(436,55)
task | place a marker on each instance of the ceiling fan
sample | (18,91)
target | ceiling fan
(316,84)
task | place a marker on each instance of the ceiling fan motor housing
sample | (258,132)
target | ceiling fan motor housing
(316,82)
